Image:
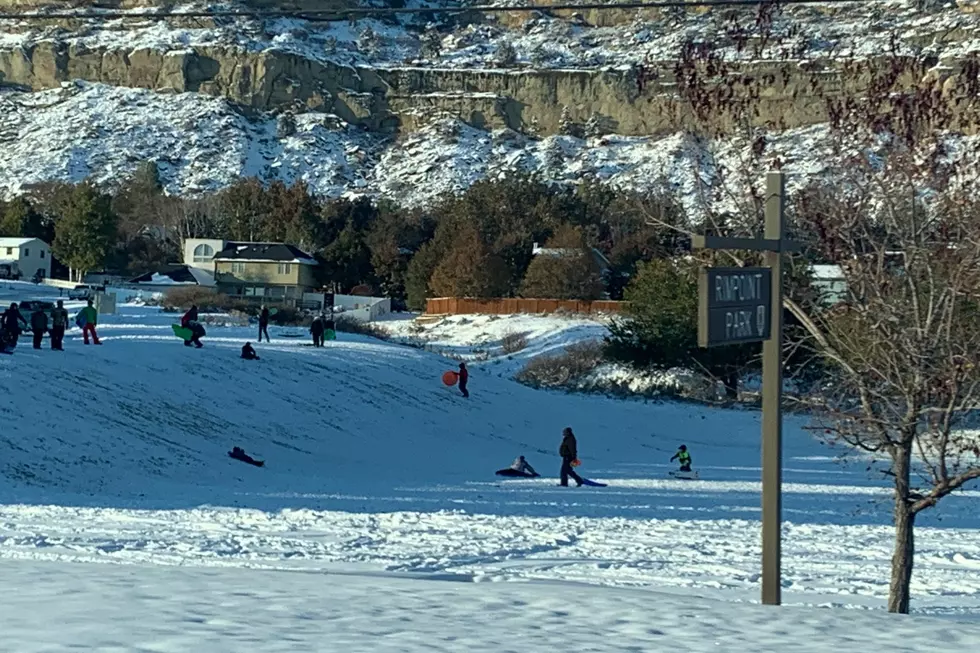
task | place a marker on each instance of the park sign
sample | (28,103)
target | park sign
(734,306)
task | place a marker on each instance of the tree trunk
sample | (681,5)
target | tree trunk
(902,558)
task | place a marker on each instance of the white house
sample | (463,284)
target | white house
(29,254)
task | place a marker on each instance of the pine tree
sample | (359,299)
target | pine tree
(566,125)
(19,219)
(87,233)
(469,270)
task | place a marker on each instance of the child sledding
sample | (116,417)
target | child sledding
(520,468)
(239,454)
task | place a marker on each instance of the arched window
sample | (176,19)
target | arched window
(203,253)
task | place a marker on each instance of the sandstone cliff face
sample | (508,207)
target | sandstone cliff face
(626,101)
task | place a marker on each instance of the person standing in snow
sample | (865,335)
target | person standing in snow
(10,324)
(568,452)
(264,323)
(88,318)
(59,322)
(683,458)
(464,377)
(189,321)
(317,329)
(39,326)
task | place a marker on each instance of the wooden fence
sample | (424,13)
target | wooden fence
(454,306)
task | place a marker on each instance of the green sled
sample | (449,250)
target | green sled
(183,333)
(329,334)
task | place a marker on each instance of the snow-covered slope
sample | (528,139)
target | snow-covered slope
(117,454)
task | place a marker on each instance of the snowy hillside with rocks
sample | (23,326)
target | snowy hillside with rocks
(202,138)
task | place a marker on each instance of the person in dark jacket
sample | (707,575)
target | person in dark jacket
(568,452)
(59,322)
(189,321)
(464,377)
(317,329)
(11,323)
(248,352)
(39,326)
(264,324)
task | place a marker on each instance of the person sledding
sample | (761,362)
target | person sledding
(520,468)
(239,454)
(248,352)
(189,321)
(568,450)
(683,459)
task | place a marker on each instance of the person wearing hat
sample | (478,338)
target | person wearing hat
(683,458)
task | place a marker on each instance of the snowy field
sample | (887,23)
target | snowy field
(116,495)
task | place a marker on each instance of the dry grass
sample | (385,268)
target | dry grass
(512,343)
(558,370)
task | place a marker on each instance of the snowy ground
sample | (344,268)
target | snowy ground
(379,478)
(219,610)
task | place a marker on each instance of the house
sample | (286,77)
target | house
(605,267)
(175,275)
(273,271)
(829,280)
(30,256)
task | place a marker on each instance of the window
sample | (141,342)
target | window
(10,251)
(42,253)
(203,253)
(27,252)
(238,268)
(285,268)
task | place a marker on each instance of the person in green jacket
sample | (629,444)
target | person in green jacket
(683,459)
(87,318)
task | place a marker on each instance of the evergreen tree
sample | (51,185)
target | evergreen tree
(661,326)
(419,273)
(19,219)
(87,232)
(469,270)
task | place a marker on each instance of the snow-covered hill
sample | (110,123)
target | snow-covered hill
(117,454)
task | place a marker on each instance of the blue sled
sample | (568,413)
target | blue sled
(591,483)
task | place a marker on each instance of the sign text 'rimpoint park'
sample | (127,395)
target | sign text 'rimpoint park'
(735,305)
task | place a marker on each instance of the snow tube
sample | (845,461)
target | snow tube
(513,473)
(182,332)
(450,378)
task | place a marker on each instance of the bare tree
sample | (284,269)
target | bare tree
(893,208)
(904,345)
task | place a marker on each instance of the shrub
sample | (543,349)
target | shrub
(347,324)
(575,362)
(512,343)
(182,298)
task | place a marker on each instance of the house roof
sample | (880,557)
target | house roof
(599,257)
(275,252)
(167,275)
(17,242)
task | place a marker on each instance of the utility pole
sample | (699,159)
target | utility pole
(740,305)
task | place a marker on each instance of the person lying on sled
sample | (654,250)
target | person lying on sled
(519,467)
